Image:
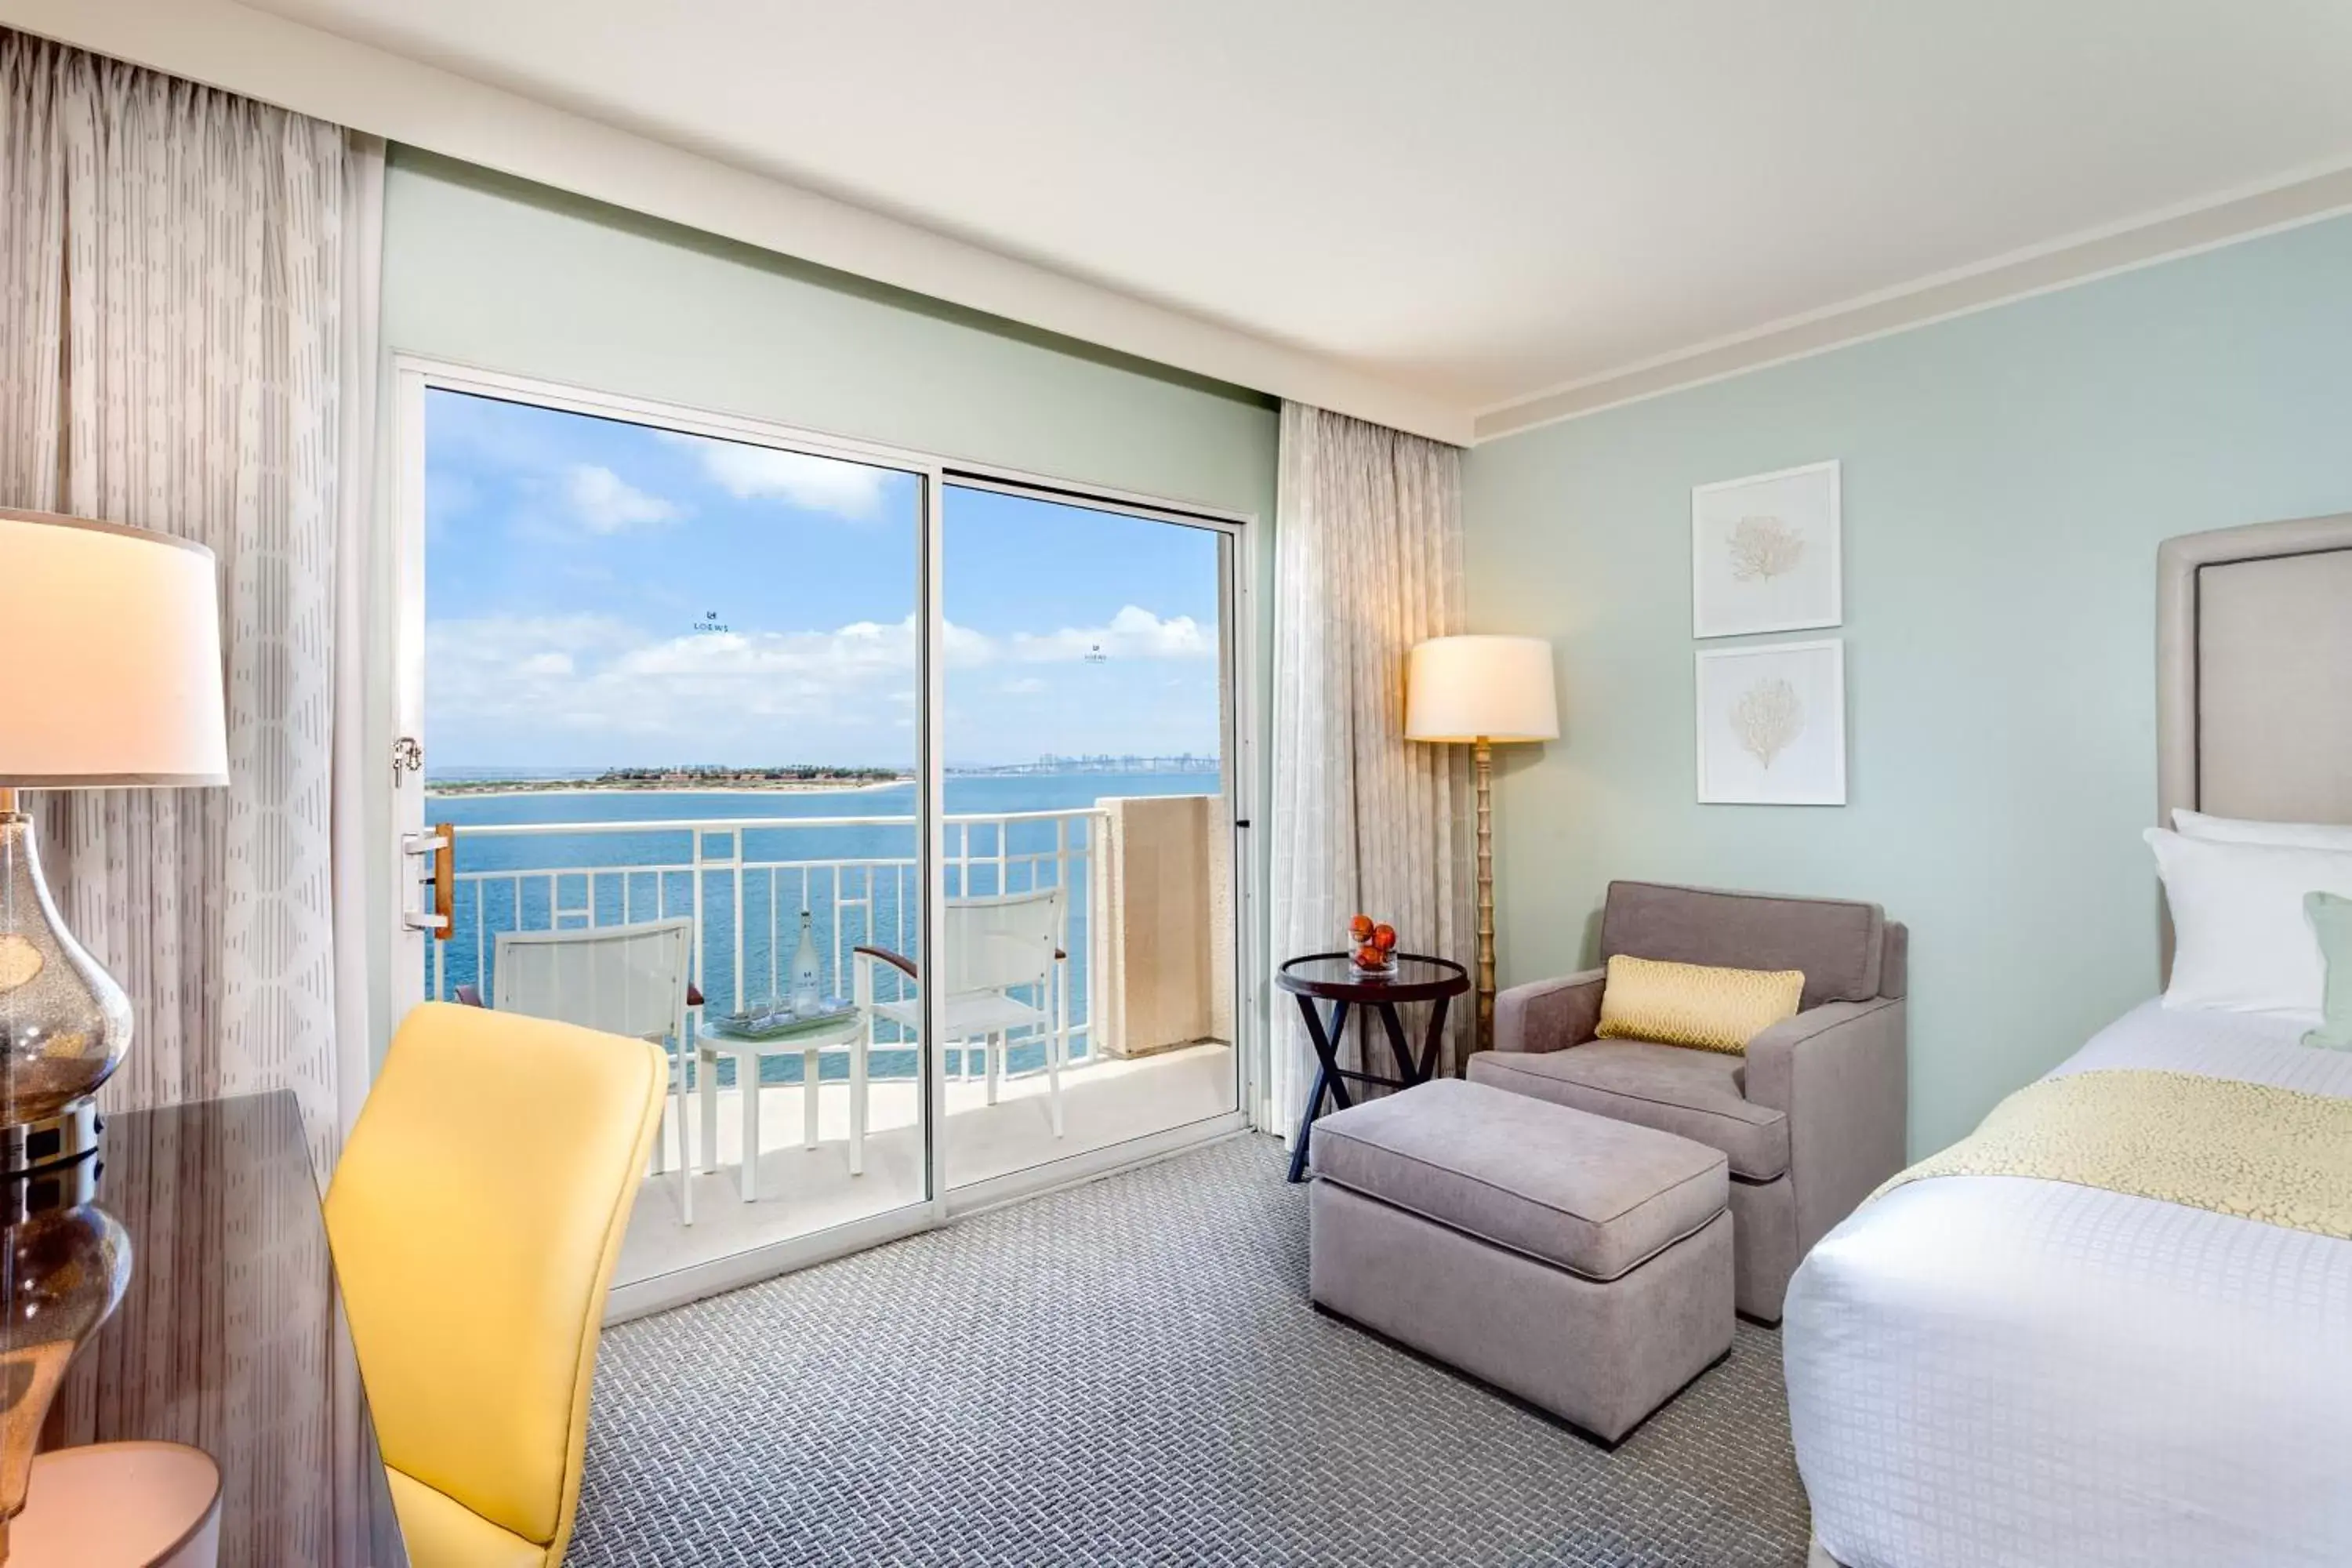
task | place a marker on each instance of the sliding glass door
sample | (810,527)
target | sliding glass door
(672,677)
(1089,919)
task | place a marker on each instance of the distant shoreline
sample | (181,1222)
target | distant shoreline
(528,787)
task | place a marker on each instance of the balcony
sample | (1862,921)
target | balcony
(1145,1024)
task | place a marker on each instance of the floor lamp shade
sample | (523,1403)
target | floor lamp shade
(1481,689)
(111,640)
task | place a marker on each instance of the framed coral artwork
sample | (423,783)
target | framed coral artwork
(1766,553)
(1772,724)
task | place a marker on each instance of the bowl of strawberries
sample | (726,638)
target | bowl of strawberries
(1372,947)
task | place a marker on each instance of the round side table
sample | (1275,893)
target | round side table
(1330,977)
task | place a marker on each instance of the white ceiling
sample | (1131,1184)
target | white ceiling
(1482,201)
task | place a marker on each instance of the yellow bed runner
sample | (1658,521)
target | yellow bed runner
(2277,1155)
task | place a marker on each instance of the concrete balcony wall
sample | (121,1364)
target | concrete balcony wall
(1168,906)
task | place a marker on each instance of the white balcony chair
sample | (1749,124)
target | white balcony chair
(993,947)
(625,980)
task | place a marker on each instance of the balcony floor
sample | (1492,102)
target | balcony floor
(804,1190)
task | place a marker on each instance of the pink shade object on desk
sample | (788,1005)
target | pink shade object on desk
(119,1505)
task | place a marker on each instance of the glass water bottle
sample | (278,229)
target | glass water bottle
(806,999)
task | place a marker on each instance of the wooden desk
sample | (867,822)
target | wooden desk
(230,1336)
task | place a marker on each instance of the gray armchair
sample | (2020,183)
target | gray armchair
(1811,1118)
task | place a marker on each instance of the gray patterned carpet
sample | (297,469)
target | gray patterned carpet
(1128,1374)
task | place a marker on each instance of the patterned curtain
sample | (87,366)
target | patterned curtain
(175,353)
(1368,546)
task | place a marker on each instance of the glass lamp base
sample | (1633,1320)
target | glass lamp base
(64,1022)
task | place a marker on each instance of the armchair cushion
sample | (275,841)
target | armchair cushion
(1707,1007)
(1696,1095)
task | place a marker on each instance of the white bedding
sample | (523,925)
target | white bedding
(1991,1372)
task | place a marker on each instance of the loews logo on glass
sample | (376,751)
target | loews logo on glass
(711,623)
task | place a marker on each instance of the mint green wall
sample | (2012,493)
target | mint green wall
(2007,477)
(515,276)
(504,275)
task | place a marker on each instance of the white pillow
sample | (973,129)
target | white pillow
(2246,830)
(2242,943)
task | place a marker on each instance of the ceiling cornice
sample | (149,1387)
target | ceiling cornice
(2144,241)
(312,72)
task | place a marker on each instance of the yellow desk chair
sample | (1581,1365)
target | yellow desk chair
(475,1216)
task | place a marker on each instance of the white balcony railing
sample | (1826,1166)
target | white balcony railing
(746,898)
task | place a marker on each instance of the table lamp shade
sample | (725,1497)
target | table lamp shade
(110,640)
(1481,689)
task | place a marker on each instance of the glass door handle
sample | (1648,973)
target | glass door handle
(438,848)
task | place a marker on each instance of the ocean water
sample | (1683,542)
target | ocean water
(858,878)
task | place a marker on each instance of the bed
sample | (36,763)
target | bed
(1995,1372)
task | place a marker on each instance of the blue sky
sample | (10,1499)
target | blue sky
(600,593)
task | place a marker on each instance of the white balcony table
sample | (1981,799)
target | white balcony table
(711,1043)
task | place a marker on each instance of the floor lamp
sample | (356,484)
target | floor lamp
(1482,690)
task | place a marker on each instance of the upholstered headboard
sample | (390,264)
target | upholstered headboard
(2254,675)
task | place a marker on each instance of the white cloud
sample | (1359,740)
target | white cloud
(705,695)
(965,648)
(605,503)
(852,491)
(508,669)
(459,649)
(850,651)
(1133,633)
(733,694)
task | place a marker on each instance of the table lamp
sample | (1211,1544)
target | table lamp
(111,640)
(1482,690)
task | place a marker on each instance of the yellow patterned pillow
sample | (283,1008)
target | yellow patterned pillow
(1694,1005)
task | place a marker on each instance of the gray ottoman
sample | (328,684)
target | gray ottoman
(1580,1263)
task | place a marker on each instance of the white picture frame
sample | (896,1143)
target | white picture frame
(1767,553)
(1772,724)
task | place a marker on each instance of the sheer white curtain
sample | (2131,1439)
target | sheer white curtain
(1368,548)
(188,307)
